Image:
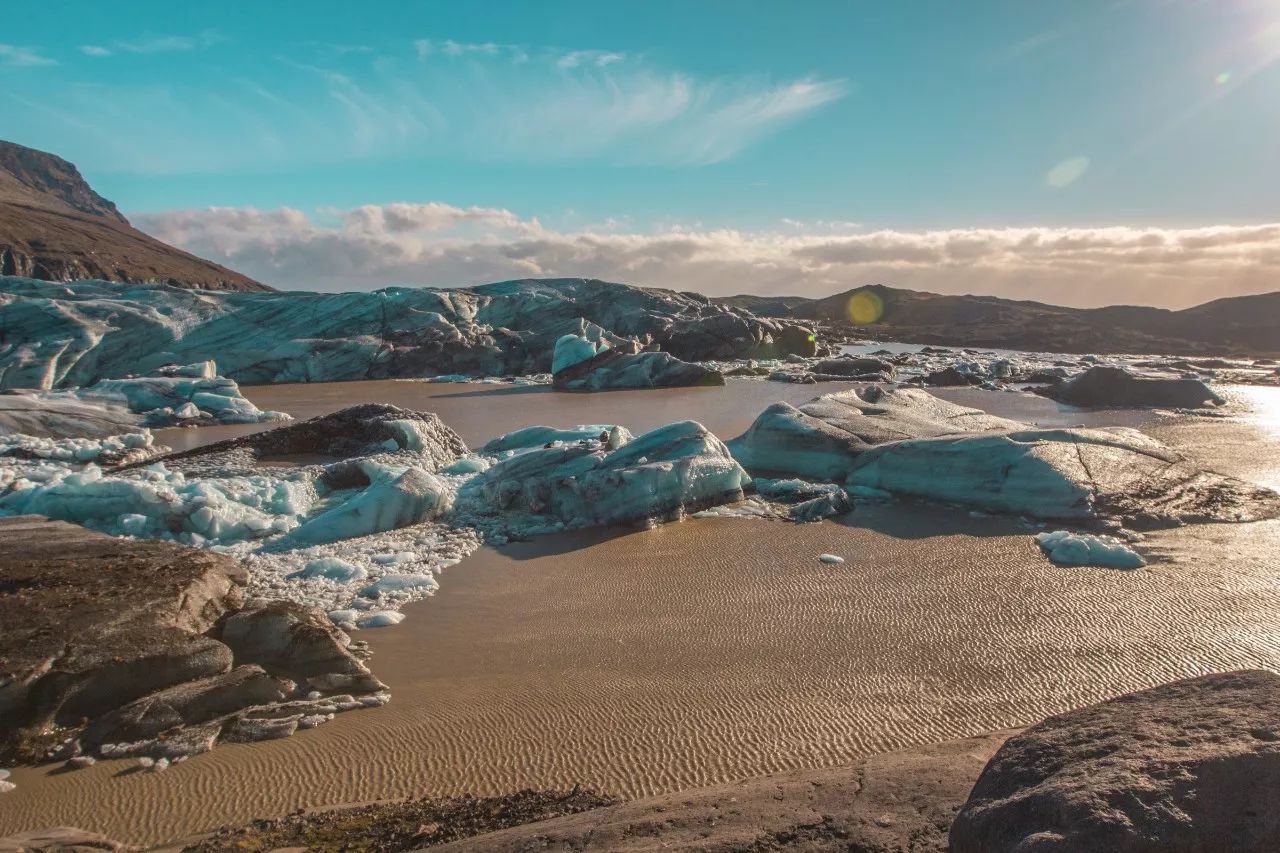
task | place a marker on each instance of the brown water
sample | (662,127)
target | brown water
(718,649)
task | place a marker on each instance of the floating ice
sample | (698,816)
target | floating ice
(333,569)
(1086,549)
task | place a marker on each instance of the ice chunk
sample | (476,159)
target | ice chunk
(540,436)
(674,469)
(381,619)
(831,559)
(823,438)
(393,583)
(333,569)
(572,349)
(1086,549)
(395,497)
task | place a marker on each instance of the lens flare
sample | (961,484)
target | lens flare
(864,307)
(1223,79)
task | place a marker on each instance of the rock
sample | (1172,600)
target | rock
(823,438)
(192,702)
(611,370)
(949,377)
(1101,386)
(59,839)
(92,623)
(297,642)
(849,366)
(1188,766)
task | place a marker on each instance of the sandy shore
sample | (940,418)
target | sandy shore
(716,650)
(720,649)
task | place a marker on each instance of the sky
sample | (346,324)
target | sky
(1085,153)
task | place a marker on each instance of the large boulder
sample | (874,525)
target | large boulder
(298,642)
(92,623)
(1104,387)
(185,704)
(1188,767)
(823,438)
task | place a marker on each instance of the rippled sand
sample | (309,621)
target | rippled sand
(720,649)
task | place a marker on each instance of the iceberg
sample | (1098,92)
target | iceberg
(822,439)
(581,364)
(665,473)
(112,406)
(1062,474)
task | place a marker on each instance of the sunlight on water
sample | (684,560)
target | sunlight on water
(1264,413)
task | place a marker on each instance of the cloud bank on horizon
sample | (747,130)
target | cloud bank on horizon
(442,245)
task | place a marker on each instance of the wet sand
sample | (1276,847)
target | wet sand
(720,649)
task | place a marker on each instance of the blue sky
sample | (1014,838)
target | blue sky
(786,119)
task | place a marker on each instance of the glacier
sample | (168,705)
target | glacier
(72,335)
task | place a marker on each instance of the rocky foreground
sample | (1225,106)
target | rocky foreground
(116,648)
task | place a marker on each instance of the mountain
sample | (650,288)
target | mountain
(53,226)
(1247,325)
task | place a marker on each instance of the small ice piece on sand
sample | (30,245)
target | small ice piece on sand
(381,619)
(830,559)
(333,569)
(146,762)
(1084,549)
(6,787)
(79,762)
(161,765)
(4,774)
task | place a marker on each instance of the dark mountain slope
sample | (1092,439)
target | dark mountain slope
(53,226)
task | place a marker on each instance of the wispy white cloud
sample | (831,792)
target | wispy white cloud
(147,44)
(444,245)
(482,102)
(20,56)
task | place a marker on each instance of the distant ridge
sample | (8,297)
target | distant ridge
(53,226)
(1248,325)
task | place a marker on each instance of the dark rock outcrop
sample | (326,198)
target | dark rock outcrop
(1188,766)
(135,647)
(299,642)
(53,226)
(949,377)
(1102,387)
(92,623)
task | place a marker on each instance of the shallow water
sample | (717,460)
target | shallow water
(718,649)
